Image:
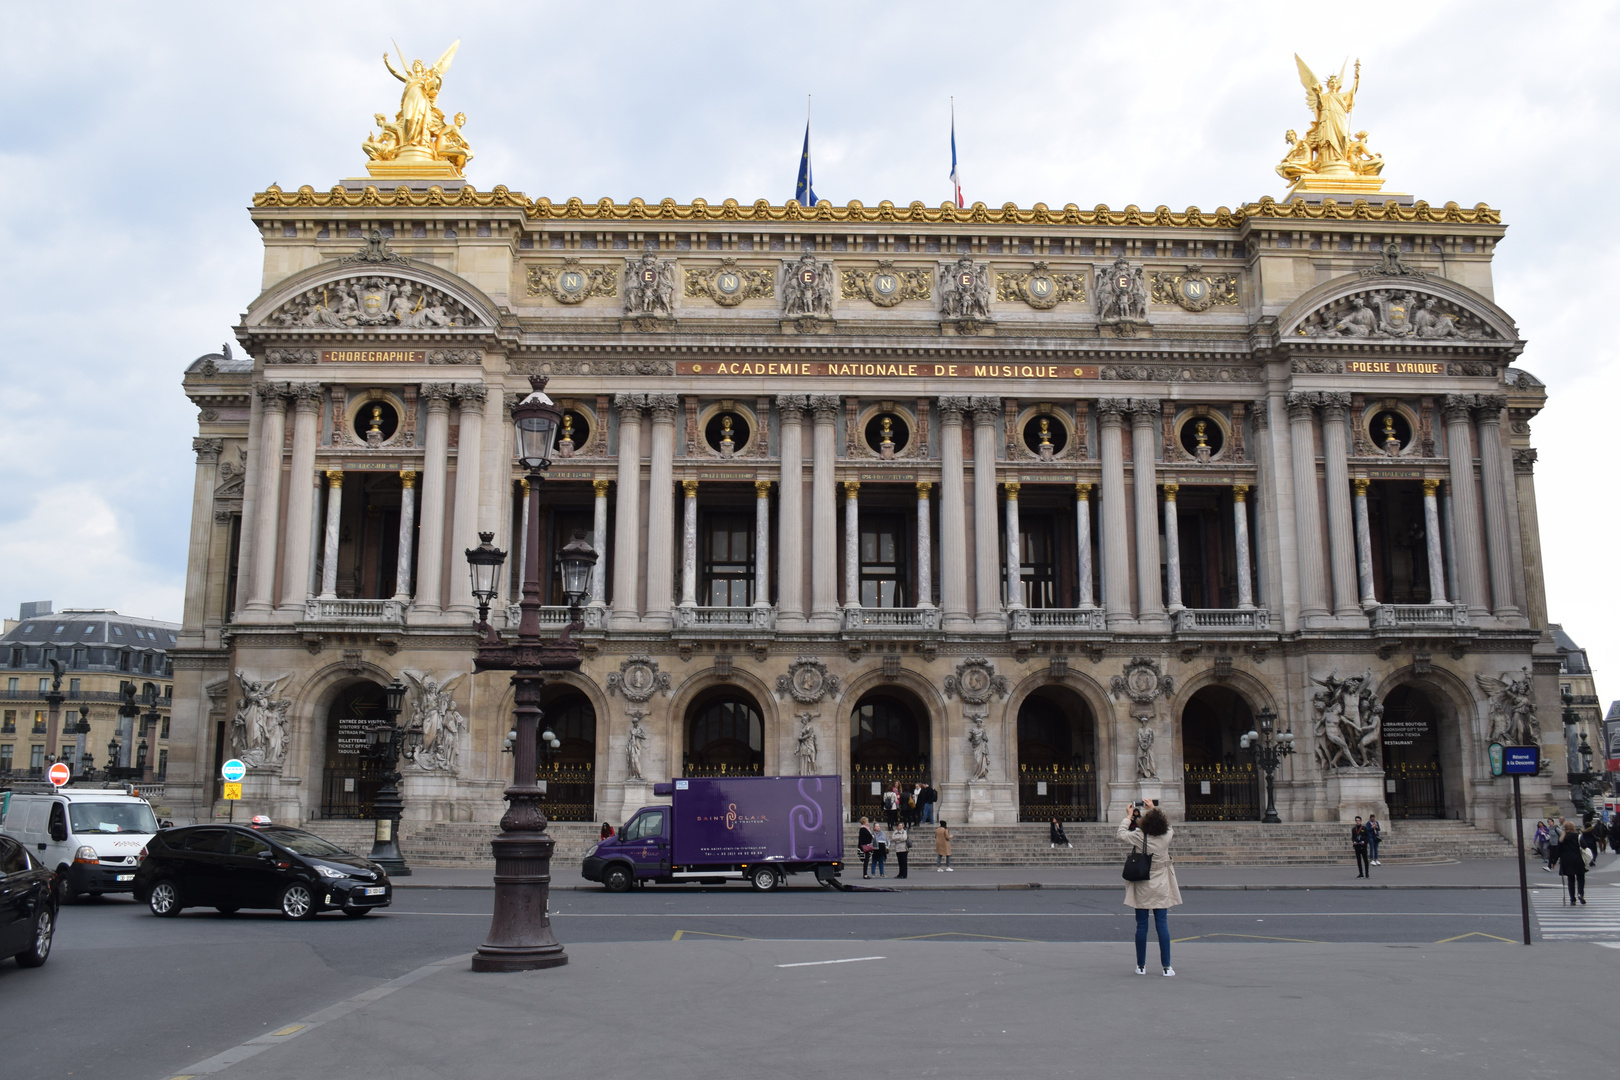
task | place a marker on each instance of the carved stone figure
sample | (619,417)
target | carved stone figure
(807,681)
(979,747)
(975,680)
(259,729)
(638,679)
(634,743)
(1145,768)
(649,285)
(807,287)
(373,301)
(1122,292)
(1512,709)
(1383,313)
(434,715)
(806,751)
(1361,322)
(964,289)
(1429,322)
(1348,721)
(1142,682)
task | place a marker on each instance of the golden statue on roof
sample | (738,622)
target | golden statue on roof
(1330,158)
(418,143)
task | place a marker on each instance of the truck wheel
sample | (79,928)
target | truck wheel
(764,879)
(618,879)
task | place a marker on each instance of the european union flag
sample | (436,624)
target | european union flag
(805,189)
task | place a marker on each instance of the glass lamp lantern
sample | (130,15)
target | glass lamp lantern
(536,419)
(394,697)
(578,558)
(484,562)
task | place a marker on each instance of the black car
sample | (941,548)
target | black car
(27,905)
(230,867)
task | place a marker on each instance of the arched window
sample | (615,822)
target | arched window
(725,735)
(884,732)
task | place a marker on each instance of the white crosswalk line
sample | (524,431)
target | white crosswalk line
(1596,920)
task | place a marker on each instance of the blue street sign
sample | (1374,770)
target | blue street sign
(233,771)
(1521,760)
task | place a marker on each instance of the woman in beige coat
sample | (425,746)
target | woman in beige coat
(1151,831)
(942,849)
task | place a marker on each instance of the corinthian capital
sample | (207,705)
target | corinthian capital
(952,408)
(271,394)
(629,405)
(1335,401)
(1145,410)
(825,407)
(437,395)
(1491,406)
(663,407)
(1111,409)
(791,407)
(1456,407)
(471,393)
(985,409)
(208,450)
(1301,403)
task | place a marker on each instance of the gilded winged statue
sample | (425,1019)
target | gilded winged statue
(1330,149)
(419,137)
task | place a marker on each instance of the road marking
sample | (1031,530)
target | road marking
(822,963)
(1596,920)
(704,933)
(961,934)
(1474,933)
(1264,937)
(1123,913)
(290,1029)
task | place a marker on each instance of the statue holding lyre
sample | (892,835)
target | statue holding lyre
(419,142)
(1330,157)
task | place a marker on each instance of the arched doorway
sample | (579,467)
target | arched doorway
(1057,757)
(569,770)
(352,777)
(725,736)
(1414,776)
(1221,782)
(888,744)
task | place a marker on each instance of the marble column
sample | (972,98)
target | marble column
(521,548)
(1448,540)
(1015,554)
(1145,419)
(1082,532)
(267,507)
(1493,476)
(1434,542)
(762,543)
(435,471)
(1172,550)
(661,512)
(301,495)
(599,538)
(471,398)
(1240,532)
(1465,504)
(986,535)
(852,544)
(334,529)
(407,534)
(317,532)
(1313,601)
(1116,555)
(202,526)
(925,544)
(790,515)
(627,515)
(952,517)
(1364,565)
(1341,528)
(689,544)
(824,514)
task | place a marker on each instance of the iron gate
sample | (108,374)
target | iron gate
(570,791)
(1223,792)
(1068,793)
(1415,791)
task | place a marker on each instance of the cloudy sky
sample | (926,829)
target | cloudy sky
(139,134)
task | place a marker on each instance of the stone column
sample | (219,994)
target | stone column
(435,471)
(407,534)
(952,517)
(1015,554)
(661,512)
(1172,549)
(1116,555)
(1240,531)
(1498,523)
(1465,504)
(1364,569)
(824,515)
(925,544)
(986,537)
(762,543)
(852,544)
(1082,531)
(317,530)
(202,524)
(790,515)
(334,528)
(1434,542)
(599,536)
(1307,507)
(627,515)
(689,542)
(1145,414)
(267,507)
(464,515)
(301,495)
(521,548)
(1448,539)
(1341,542)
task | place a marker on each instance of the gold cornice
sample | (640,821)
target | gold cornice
(543,209)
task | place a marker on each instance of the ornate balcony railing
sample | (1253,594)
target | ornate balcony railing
(728,618)
(1084,620)
(327,609)
(891,619)
(553,617)
(1222,620)
(1434,616)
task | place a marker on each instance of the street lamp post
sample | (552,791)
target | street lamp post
(520,937)
(1583,782)
(53,698)
(81,730)
(149,729)
(1269,752)
(386,740)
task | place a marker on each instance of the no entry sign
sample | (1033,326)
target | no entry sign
(60,774)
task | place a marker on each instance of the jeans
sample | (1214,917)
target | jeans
(928,811)
(942,860)
(1373,844)
(1161,922)
(880,857)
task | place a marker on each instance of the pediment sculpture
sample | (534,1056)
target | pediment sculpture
(373,301)
(1392,313)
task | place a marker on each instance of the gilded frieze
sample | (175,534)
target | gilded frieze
(1040,287)
(729,284)
(573,282)
(886,285)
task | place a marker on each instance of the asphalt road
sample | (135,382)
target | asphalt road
(129,994)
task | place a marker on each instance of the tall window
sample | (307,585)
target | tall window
(883,561)
(727,573)
(9,722)
(5,757)
(727,735)
(1037,561)
(36,757)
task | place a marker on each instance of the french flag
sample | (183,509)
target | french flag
(956,178)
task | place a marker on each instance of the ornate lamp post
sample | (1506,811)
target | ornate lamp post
(386,741)
(81,760)
(1269,752)
(520,937)
(149,728)
(112,758)
(1583,782)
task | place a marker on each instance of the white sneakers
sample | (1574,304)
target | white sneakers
(1140,970)
(952,869)
(939,869)
(1169,972)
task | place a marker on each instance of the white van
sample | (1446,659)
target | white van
(94,840)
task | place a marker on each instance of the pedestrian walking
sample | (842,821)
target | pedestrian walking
(1572,863)
(942,848)
(900,844)
(1600,829)
(864,842)
(1555,837)
(1375,833)
(1539,839)
(891,805)
(1058,835)
(916,805)
(880,851)
(1150,833)
(1358,841)
(926,800)
(1589,842)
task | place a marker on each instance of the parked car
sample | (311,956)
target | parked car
(27,905)
(230,867)
(94,840)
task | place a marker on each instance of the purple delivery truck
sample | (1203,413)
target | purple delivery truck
(720,828)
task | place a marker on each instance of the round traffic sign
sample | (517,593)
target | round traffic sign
(233,771)
(60,773)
